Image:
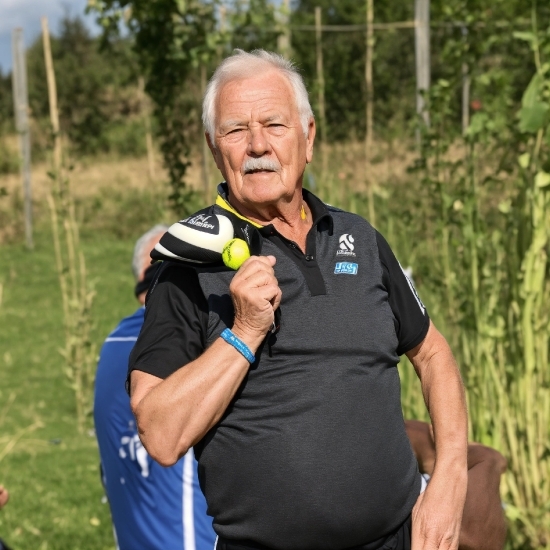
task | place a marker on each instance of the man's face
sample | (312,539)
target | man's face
(260,148)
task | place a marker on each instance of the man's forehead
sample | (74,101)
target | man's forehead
(269,94)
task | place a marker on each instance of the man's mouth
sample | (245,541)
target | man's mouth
(258,171)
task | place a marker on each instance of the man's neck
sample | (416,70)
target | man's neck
(292,220)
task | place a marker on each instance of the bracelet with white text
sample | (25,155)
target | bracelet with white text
(238,344)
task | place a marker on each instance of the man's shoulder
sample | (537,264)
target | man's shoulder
(344,216)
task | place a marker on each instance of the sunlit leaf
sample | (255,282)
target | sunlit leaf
(532,119)
(527,37)
(542,179)
(505,206)
(524,160)
(478,124)
(532,93)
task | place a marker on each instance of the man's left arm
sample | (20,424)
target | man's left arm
(437,514)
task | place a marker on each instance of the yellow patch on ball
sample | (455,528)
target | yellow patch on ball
(235,253)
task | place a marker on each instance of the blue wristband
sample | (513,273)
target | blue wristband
(238,344)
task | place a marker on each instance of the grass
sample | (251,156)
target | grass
(50,470)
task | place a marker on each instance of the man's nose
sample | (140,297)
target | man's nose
(258,143)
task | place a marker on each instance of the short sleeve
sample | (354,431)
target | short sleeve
(174,331)
(412,320)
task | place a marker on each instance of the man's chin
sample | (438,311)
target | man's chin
(264,189)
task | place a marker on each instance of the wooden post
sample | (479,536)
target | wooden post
(466,82)
(422,52)
(52,94)
(145,108)
(21,109)
(283,40)
(321,93)
(205,149)
(369,109)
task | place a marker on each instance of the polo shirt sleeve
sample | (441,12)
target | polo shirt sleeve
(174,331)
(411,317)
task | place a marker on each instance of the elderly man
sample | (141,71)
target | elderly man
(299,432)
(153,508)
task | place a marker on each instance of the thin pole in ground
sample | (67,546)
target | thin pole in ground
(21,109)
(284,39)
(369,109)
(422,54)
(321,95)
(146,113)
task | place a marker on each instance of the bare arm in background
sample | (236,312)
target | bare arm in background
(437,514)
(483,522)
(4,496)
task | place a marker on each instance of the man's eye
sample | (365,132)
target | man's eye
(276,128)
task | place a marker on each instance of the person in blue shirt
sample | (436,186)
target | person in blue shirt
(153,507)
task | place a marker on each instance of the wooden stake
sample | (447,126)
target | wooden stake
(144,107)
(283,40)
(369,109)
(321,93)
(52,95)
(466,82)
(21,109)
(422,51)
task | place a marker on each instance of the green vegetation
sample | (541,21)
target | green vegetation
(49,467)
(51,471)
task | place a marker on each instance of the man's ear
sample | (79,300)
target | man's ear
(214,150)
(310,139)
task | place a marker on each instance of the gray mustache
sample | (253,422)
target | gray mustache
(260,164)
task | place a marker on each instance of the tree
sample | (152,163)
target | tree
(172,38)
(95,89)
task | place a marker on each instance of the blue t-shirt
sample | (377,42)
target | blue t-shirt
(152,507)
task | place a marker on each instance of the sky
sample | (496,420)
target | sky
(27,13)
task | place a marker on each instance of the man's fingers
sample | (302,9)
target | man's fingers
(276,301)
(255,264)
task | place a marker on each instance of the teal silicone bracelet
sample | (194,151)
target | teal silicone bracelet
(238,344)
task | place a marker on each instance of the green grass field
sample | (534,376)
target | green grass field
(51,470)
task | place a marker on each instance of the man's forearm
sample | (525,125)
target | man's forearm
(174,414)
(437,514)
(444,395)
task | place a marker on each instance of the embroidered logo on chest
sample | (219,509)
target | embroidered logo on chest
(345,246)
(345,268)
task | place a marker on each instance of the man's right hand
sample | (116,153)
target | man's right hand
(256,295)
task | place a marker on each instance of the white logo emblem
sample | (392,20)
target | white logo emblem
(132,448)
(346,245)
(200,221)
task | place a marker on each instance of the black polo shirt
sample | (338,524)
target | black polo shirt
(312,452)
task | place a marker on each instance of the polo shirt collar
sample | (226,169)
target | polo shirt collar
(319,210)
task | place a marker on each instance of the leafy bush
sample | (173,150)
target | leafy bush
(9,159)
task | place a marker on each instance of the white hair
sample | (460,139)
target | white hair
(143,246)
(242,65)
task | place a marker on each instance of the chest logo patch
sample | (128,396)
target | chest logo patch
(345,245)
(346,268)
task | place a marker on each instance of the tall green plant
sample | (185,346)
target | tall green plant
(173,38)
(490,275)
(77,295)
